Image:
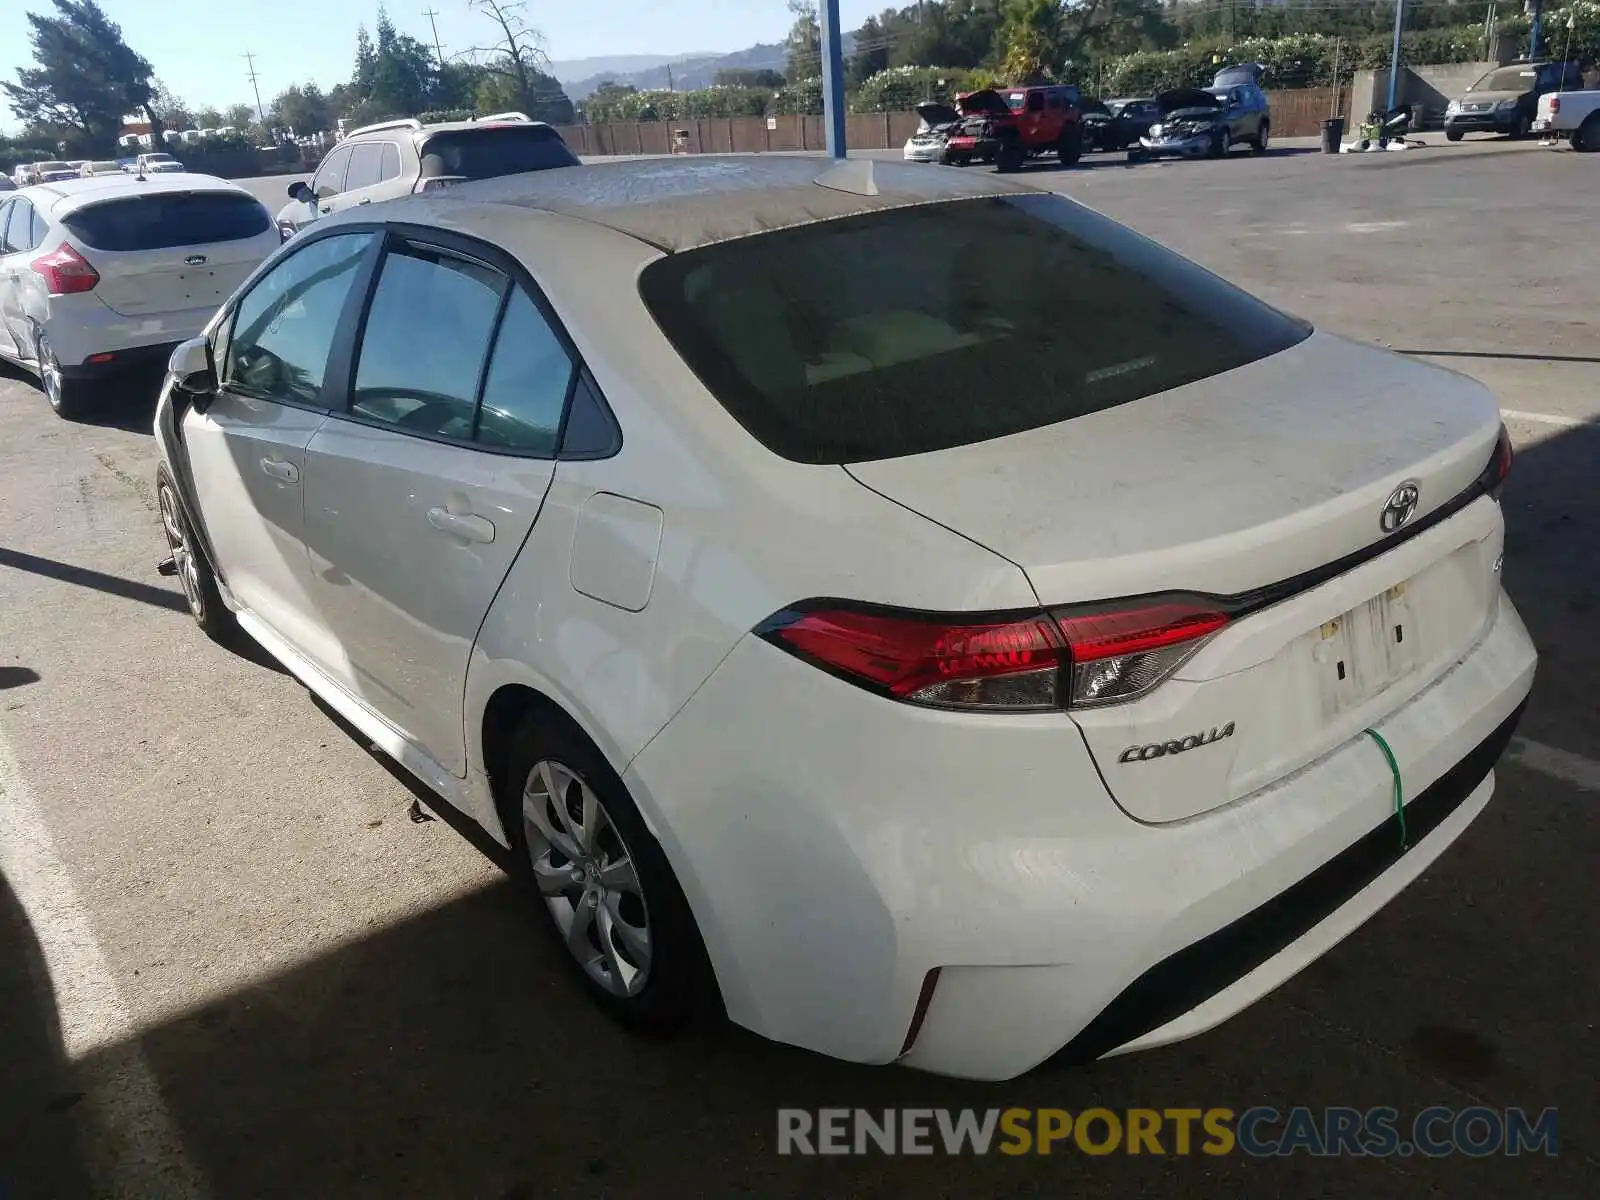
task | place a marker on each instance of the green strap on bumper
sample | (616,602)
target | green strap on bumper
(1399,792)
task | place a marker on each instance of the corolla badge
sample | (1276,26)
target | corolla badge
(1177,746)
(1401,506)
(196,260)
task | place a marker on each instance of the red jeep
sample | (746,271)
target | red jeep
(1005,126)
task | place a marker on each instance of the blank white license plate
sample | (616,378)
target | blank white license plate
(1361,653)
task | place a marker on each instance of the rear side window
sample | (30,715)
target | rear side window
(391,161)
(493,151)
(425,340)
(526,389)
(159,221)
(366,166)
(940,325)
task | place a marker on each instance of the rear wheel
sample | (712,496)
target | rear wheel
(66,396)
(612,902)
(1259,144)
(1586,137)
(1070,148)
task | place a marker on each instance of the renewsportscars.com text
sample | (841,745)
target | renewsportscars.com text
(1258,1131)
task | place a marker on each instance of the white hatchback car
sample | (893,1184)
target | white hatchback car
(966,627)
(105,273)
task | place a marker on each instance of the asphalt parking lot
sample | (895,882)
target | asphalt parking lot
(234,961)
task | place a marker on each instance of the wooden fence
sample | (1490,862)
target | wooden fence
(1298,113)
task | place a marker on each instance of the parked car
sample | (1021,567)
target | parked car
(104,166)
(99,275)
(1506,99)
(1207,123)
(156,164)
(935,123)
(1117,124)
(1575,115)
(1011,125)
(6,184)
(50,172)
(697,532)
(399,158)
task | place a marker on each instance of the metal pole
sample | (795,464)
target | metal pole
(1394,59)
(832,77)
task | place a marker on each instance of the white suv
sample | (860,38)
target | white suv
(101,274)
(956,670)
(402,157)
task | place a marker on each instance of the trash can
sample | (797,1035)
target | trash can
(1332,134)
(1419,118)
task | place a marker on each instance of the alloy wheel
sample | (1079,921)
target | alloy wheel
(49,371)
(182,553)
(587,878)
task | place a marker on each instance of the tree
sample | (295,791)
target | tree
(87,78)
(174,113)
(240,116)
(402,71)
(517,56)
(302,109)
(871,52)
(208,118)
(803,46)
(1031,38)
(746,77)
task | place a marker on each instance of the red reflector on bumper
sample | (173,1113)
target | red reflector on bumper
(101,358)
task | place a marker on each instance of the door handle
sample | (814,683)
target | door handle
(278,469)
(462,525)
(325,208)
(368,200)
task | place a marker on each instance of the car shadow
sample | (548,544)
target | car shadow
(126,402)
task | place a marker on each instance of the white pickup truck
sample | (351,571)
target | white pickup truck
(1575,115)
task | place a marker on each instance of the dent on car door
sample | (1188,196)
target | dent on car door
(246,447)
(420,496)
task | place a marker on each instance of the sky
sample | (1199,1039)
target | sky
(197,46)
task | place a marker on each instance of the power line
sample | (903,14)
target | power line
(261,114)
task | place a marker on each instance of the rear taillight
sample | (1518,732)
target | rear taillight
(1555,105)
(1013,663)
(1494,475)
(65,272)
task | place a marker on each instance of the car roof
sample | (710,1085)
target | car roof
(682,202)
(69,195)
(398,130)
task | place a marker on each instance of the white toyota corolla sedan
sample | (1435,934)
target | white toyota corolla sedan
(958,627)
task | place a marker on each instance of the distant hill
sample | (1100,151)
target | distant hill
(616,64)
(687,71)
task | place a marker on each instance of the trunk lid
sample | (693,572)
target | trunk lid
(1248,480)
(171,251)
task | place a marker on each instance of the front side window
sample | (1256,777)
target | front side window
(426,337)
(329,179)
(939,325)
(526,388)
(1035,101)
(283,329)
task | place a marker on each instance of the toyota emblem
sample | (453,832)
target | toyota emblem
(195,260)
(1401,506)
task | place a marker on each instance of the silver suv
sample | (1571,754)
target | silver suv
(402,157)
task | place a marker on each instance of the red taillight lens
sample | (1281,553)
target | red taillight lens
(1555,105)
(65,272)
(1015,664)
(1119,653)
(1494,475)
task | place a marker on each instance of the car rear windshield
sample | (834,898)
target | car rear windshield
(932,326)
(494,151)
(163,220)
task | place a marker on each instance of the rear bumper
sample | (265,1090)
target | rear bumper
(83,327)
(115,362)
(836,849)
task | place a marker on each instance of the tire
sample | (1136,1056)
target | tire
(1008,159)
(1070,148)
(194,572)
(1586,137)
(1523,127)
(1221,143)
(1258,144)
(648,984)
(1135,155)
(1452,135)
(67,397)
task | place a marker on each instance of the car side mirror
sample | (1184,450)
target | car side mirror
(299,190)
(191,368)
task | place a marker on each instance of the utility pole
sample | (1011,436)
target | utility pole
(670,86)
(431,13)
(832,77)
(261,113)
(1394,59)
